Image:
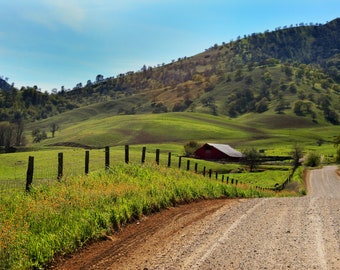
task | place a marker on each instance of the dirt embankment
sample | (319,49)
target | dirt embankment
(275,233)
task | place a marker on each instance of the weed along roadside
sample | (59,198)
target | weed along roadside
(59,217)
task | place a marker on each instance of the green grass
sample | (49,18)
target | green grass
(259,130)
(59,218)
(264,179)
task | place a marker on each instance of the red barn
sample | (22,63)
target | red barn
(222,152)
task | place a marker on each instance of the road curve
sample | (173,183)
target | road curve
(272,233)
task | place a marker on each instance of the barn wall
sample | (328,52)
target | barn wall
(209,154)
(213,154)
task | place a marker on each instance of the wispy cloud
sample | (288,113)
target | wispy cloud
(51,14)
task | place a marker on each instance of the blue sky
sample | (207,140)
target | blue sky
(54,43)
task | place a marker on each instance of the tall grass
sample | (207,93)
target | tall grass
(59,218)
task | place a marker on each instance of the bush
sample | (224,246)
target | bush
(190,148)
(337,157)
(313,159)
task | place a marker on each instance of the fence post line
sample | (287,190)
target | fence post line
(216,175)
(227,179)
(210,172)
(143,154)
(60,165)
(29,174)
(179,162)
(222,178)
(87,161)
(157,156)
(126,153)
(107,157)
(204,171)
(196,167)
(169,159)
(188,164)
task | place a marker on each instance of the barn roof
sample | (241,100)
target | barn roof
(226,149)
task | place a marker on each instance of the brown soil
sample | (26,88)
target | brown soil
(118,246)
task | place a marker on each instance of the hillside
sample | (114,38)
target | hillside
(84,128)
(297,63)
(290,72)
(4,85)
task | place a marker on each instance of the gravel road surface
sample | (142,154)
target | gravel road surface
(272,233)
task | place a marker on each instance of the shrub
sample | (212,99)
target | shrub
(313,159)
(190,148)
(337,157)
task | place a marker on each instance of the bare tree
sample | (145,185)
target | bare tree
(54,127)
(296,154)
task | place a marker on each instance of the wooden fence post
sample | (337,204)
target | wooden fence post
(87,162)
(188,164)
(216,175)
(179,162)
(210,172)
(222,178)
(196,167)
(143,154)
(107,157)
(204,171)
(126,154)
(169,159)
(157,156)
(29,174)
(60,165)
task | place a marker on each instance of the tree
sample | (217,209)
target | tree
(337,141)
(190,148)
(99,78)
(281,106)
(296,154)
(19,133)
(54,127)
(332,116)
(38,135)
(267,78)
(252,158)
(262,105)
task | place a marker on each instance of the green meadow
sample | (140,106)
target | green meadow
(101,129)
(61,216)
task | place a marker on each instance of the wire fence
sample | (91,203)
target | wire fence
(48,170)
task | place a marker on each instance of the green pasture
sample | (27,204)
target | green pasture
(266,131)
(263,179)
(59,218)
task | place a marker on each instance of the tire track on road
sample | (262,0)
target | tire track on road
(224,237)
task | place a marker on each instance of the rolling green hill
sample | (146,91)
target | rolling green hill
(257,130)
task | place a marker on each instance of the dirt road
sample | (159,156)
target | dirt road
(275,233)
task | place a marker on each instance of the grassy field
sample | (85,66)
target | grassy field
(58,218)
(265,130)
